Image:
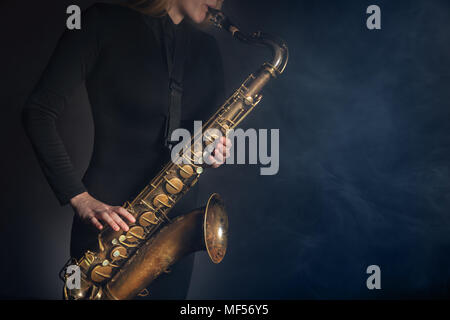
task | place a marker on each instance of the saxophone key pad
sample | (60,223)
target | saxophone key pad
(161,200)
(174,185)
(101,273)
(118,253)
(186,171)
(135,234)
(148,218)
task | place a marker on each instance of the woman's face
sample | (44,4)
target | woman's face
(196,9)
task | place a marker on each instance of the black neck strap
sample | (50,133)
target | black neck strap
(176,70)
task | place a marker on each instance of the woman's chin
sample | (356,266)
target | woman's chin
(199,18)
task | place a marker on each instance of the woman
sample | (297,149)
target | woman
(129,57)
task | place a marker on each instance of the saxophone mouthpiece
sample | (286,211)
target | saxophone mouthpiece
(221,21)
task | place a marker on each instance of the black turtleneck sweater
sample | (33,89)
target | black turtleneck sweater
(120,55)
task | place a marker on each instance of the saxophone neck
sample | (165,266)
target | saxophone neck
(279,48)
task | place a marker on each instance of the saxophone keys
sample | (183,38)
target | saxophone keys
(148,218)
(174,185)
(252,101)
(135,234)
(258,98)
(101,273)
(146,204)
(248,100)
(127,205)
(194,182)
(161,200)
(87,260)
(90,256)
(186,171)
(224,126)
(118,253)
(210,139)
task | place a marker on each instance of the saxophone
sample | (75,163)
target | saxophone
(127,262)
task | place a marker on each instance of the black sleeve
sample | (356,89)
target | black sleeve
(73,58)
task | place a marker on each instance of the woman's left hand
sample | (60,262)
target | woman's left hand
(221,152)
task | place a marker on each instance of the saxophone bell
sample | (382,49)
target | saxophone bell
(201,229)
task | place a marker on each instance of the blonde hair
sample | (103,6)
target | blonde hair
(155,8)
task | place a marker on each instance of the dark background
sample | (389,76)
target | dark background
(365,150)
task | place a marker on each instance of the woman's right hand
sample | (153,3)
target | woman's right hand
(93,211)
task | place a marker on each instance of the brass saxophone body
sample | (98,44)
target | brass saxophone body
(127,262)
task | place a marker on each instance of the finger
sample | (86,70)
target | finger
(218,156)
(228,143)
(219,149)
(124,213)
(214,162)
(96,223)
(105,217)
(224,150)
(119,221)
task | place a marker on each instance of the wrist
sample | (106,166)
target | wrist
(79,197)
